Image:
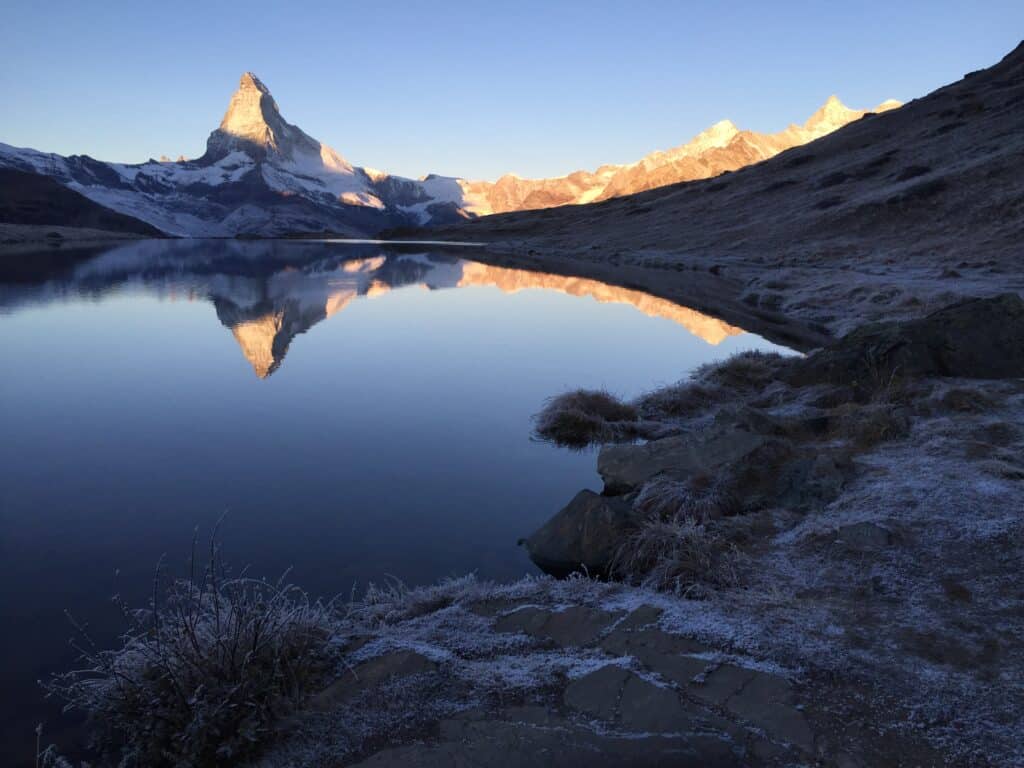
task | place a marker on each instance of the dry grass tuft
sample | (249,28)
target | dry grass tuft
(585,417)
(743,372)
(868,425)
(686,398)
(678,555)
(699,499)
(204,672)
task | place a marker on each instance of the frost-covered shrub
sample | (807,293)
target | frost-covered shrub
(677,555)
(203,672)
(698,499)
(585,417)
(687,398)
(393,601)
(746,371)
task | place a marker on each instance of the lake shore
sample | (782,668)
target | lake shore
(876,609)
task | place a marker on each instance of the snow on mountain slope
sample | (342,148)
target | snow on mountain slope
(262,175)
(259,175)
(722,147)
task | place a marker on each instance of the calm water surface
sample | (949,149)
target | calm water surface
(356,412)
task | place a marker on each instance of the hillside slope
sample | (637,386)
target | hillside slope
(885,217)
(28,198)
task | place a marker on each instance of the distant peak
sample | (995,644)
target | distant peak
(888,104)
(723,126)
(833,106)
(831,115)
(253,124)
(249,80)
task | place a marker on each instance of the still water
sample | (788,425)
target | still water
(356,413)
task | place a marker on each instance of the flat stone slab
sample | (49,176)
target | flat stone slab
(628,466)
(575,626)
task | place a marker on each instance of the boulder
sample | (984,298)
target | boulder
(627,467)
(584,536)
(977,338)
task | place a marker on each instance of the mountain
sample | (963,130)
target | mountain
(261,175)
(722,147)
(912,208)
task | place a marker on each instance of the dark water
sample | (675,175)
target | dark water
(356,412)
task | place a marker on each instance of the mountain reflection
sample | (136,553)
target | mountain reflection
(268,292)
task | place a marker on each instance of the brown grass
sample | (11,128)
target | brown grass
(699,499)
(869,425)
(744,372)
(585,417)
(678,555)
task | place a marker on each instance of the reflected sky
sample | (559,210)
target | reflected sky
(385,431)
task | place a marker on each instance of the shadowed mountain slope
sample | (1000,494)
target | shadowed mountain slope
(28,198)
(722,147)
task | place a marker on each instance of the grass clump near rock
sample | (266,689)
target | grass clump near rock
(203,672)
(700,499)
(687,398)
(743,372)
(678,555)
(585,417)
(869,425)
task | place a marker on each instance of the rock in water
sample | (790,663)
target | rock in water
(583,536)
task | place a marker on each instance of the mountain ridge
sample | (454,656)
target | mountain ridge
(261,175)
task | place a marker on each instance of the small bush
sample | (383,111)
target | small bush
(585,417)
(203,672)
(678,555)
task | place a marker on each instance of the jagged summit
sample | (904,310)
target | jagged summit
(831,115)
(253,124)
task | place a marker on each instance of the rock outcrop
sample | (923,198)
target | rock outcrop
(976,338)
(584,536)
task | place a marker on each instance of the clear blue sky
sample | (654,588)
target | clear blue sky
(475,88)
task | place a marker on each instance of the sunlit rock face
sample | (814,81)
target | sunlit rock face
(253,124)
(722,147)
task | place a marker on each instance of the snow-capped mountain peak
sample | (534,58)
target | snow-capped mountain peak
(265,176)
(253,124)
